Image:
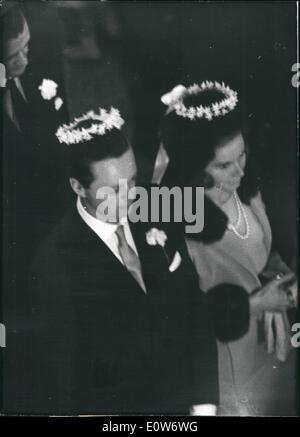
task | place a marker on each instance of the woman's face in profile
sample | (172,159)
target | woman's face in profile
(227,167)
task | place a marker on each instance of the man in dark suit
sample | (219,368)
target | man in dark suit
(31,153)
(115,324)
(33,191)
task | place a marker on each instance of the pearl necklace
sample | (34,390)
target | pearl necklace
(241,212)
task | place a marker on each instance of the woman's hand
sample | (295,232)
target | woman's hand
(273,296)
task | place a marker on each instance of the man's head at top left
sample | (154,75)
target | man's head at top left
(16,36)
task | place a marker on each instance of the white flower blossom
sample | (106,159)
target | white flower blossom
(173,96)
(156,236)
(58,102)
(48,89)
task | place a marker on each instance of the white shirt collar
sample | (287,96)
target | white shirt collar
(102,229)
(107,231)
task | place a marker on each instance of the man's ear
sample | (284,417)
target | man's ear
(77,187)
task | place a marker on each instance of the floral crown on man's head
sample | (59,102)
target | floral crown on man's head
(174,100)
(73,134)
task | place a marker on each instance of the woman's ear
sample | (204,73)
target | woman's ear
(77,187)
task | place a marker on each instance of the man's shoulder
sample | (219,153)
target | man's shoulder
(61,235)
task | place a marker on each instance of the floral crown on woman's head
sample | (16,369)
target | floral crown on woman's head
(174,100)
(73,134)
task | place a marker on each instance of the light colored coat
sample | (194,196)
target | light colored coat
(248,374)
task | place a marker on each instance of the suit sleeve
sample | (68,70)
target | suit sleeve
(47,382)
(205,365)
(203,347)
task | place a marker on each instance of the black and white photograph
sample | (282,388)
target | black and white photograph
(149,209)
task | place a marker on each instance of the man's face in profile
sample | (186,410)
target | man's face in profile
(16,53)
(108,173)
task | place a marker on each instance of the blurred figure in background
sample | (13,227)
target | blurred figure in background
(33,196)
(33,107)
(84,22)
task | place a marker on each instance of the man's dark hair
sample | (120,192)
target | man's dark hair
(12,23)
(80,156)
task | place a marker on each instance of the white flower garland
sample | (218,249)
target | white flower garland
(71,134)
(174,99)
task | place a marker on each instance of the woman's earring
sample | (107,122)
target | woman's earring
(218,186)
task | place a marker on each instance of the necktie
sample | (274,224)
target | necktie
(19,105)
(129,257)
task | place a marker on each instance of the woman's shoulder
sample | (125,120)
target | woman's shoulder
(257,202)
(215,224)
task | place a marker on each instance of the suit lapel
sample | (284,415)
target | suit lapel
(96,260)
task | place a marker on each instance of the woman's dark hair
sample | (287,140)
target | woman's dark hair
(12,23)
(79,157)
(191,144)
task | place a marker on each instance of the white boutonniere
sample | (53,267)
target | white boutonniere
(48,89)
(156,236)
